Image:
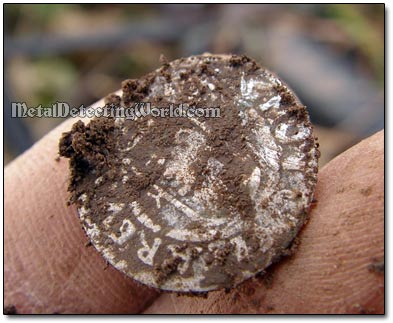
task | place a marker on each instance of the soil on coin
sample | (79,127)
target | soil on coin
(96,162)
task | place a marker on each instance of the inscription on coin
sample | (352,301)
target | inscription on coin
(194,204)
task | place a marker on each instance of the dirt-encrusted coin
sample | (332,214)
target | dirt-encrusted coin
(197,200)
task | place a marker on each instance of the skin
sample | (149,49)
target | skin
(48,268)
(331,270)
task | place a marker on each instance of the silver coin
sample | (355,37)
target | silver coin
(196,203)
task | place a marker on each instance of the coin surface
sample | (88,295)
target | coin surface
(195,203)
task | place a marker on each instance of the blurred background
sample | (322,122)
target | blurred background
(331,55)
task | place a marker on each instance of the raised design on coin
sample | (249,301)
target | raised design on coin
(194,204)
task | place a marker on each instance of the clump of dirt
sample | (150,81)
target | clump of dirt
(366,191)
(10,310)
(168,267)
(377,266)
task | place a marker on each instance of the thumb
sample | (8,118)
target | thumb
(47,266)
